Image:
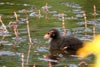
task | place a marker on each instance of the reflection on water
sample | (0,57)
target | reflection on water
(73,5)
(39,47)
(12,4)
(8,53)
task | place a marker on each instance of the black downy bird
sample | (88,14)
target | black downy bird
(65,45)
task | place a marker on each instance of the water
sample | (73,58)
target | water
(40,23)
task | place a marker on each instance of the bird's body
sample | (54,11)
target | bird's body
(68,45)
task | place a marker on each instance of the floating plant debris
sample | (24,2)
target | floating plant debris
(24,11)
(88,30)
(88,22)
(34,14)
(12,4)
(79,15)
(8,44)
(44,8)
(4,41)
(98,26)
(72,65)
(86,37)
(9,53)
(53,12)
(71,18)
(72,5)
(59,15)
(77,11)
(48,60)
(42,49)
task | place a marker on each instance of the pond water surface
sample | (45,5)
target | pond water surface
(14,41)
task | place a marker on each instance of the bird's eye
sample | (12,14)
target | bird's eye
(51,32)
